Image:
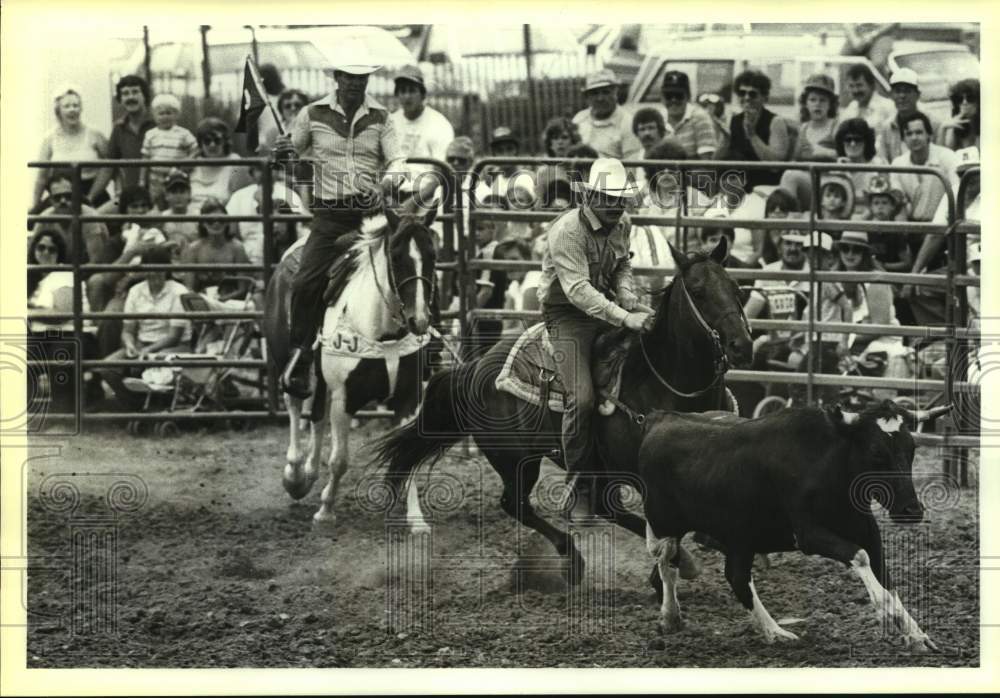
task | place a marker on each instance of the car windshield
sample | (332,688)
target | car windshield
(938,70)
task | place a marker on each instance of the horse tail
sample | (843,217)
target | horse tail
(426,437)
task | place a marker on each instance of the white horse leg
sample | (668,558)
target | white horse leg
(889,607)
(663,550)
(317,432)
(768,627)
(414,514)
(340,424)
(296,483)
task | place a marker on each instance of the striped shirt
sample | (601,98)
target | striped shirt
(583,265)
(695,132)
(174,143)
(345,154)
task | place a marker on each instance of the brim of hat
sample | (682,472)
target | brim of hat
(904,82)
(598,86)
(408,78)
(504,139)
(858,243)
(819,88)
(354,69)
(627,193)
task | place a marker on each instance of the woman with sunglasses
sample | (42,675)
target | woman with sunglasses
(855,144)
(215,181)
(52,291)
(288,105)
(72,139)
(756,133)
(216,245)
(962,129)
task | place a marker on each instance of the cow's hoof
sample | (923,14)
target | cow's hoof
(920,644)
(779,635)
(296,487)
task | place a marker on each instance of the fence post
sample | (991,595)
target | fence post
(814,301)
(79,249)
(206,66)
(266,211)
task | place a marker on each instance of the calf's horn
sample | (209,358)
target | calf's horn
(926,415)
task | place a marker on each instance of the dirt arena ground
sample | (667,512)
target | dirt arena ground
(193,556)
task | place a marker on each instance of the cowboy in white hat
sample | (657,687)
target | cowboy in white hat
(357,159)
(586,287)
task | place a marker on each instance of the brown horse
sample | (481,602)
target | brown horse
(700,330)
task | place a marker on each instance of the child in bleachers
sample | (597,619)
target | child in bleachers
(167,141)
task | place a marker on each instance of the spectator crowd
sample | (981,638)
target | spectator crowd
(871,129)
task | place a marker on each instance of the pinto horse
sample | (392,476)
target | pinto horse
(371,337)
(699,330)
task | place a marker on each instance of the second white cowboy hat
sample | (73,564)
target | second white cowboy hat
(608,176)
(349,57)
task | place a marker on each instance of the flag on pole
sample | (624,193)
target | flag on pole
(252,105)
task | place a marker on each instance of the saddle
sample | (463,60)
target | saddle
(529,370)
(340,270)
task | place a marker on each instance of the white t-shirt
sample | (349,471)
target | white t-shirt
(243,203)
(427,136)
(55,293)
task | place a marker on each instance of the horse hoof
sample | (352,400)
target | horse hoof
(420,528)
(324,523)
(670,625)
(920,644)
(689,566)
(780,635)
(297,488)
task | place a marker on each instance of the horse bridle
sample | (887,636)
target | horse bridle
(395,303)
(719,358)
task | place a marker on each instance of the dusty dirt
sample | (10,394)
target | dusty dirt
(217,567)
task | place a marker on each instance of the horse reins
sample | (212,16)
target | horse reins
(395,304)
(719,358)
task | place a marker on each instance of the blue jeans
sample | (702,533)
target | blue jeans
(573,333)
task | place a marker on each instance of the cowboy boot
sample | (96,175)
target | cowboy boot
(295,380)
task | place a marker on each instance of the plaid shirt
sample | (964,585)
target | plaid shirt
(583,264)
(695,132)
(345,153)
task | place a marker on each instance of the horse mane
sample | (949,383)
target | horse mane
(373,231)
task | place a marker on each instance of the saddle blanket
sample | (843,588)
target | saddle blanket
(530,362)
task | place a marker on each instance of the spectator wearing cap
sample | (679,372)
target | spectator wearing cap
(72,139)
(776,299)
(215,181)
(603,125)
(247,201)
(756,133)
(905,86)
(884,204)
(836,196)
(125,142)
(158,293)
(168,141)
(503,144)
(178,197)
(834,306)
(357,160)
(962,129)
(689,124)
(423,131)
(866,103)
(818,114)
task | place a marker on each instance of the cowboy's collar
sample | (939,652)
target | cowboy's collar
(369,103)
(593,223)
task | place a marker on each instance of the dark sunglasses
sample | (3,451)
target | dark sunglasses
(853,249)
(61,197)
(674,97)
(748,94)
(46,248)
(853,139)
(211,140)
(288,105)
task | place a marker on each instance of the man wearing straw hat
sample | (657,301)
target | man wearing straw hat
(603,125)
(580,299)
(356,159)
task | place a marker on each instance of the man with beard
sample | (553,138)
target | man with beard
(423,131)
(125,142)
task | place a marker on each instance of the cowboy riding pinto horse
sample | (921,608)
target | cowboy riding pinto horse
(378,314)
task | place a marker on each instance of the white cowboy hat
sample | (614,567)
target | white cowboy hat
(353,68)
(349,57)
(608,176)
